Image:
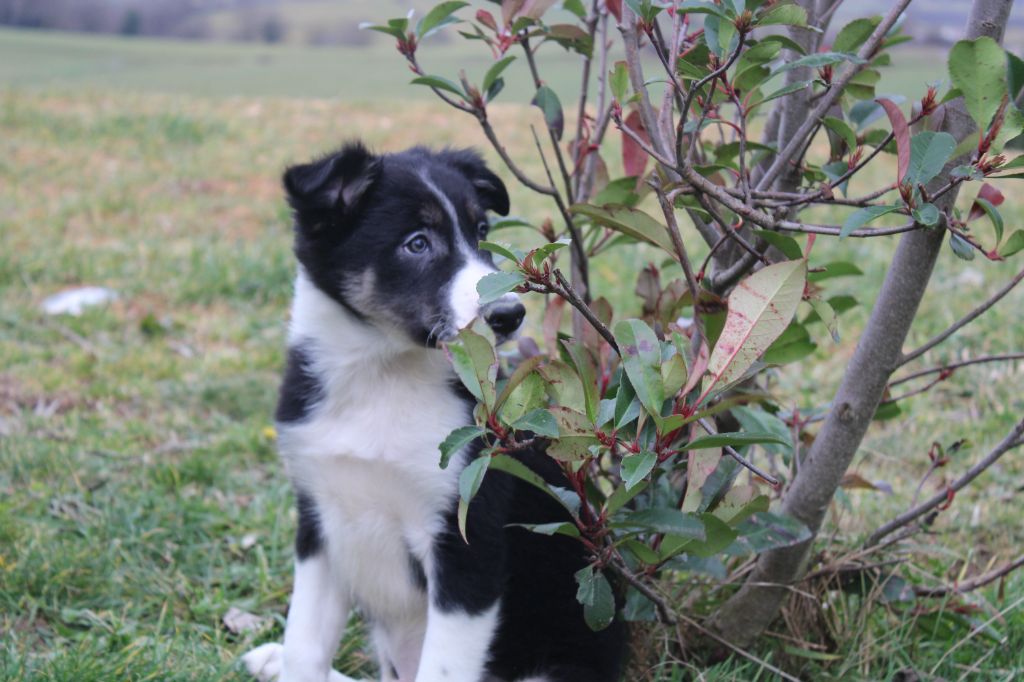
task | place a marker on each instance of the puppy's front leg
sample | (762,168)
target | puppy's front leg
(457,644)
(316,620)
(465,581)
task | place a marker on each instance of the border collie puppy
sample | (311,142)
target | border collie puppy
(388,265)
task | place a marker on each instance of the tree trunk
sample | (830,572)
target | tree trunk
(747,613)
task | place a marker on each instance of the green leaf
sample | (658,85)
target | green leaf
(576,7)
(530,394)
(641,358)
(926,214)
(929,152)
(523,370)
(495,285)
(765,531)
(961,247)
(547,101)
(863,216)
(842,129)
(540,253)
(786,42)
(595,594)
(787,15)
(476,365)
(836,269)
(756,419)
(855,34)
(664,520)
(819,59)
(736,440)
(618,81)
(621,497)
(585,369)
(828,316)
(993,215)
(978,69)
(760,308)
(439,17)
(789,247)
(1014,244)
(396,28)
(554,528)
(781,92)
(503,250)
(472,476)
(440,84)
(575,435)
(635,468)
(513,467)
(456,440)
(539,421)
(496,69)
(628,221)
(1014,75)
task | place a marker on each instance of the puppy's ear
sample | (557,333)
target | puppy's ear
(489,187)
(333,184)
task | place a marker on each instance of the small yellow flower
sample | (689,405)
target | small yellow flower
(269,432)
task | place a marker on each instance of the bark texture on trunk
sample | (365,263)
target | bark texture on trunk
(747,613)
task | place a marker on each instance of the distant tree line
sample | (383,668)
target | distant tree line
(249,20)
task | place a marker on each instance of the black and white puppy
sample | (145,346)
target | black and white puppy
(388,265)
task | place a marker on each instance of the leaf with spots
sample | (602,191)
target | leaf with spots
(641,358)
(760,309)
(476,364)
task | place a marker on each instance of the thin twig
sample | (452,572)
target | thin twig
(962,322)
(972,584)
(665,613)
(1012,440)
(538,83)
(1005,357)
(737,649)
(738,457)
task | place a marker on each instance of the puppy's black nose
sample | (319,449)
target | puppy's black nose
(504,317)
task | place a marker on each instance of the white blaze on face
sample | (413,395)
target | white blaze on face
(463,298)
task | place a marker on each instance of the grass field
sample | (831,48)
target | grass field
(140,496)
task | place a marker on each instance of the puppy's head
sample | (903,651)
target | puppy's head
(394,238)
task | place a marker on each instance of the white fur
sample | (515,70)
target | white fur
(367,455)
(462,296)
(456,646)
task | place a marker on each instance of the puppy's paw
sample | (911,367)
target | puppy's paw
(264,662)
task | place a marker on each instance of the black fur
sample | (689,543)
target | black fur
(308,536)
(300,389)
(354,212)
(341,197)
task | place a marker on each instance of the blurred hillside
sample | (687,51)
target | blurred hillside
(336,22)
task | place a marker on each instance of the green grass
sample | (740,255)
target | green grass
(140,496)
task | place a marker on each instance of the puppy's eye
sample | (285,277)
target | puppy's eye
(482,228)
(417,244)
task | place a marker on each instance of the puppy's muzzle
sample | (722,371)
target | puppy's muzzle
(504,316)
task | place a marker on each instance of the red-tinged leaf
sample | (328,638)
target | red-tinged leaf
(487,19)
(634,158)
(700,365)
(615,7)
(989,194)
(902,133)
(760,308)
